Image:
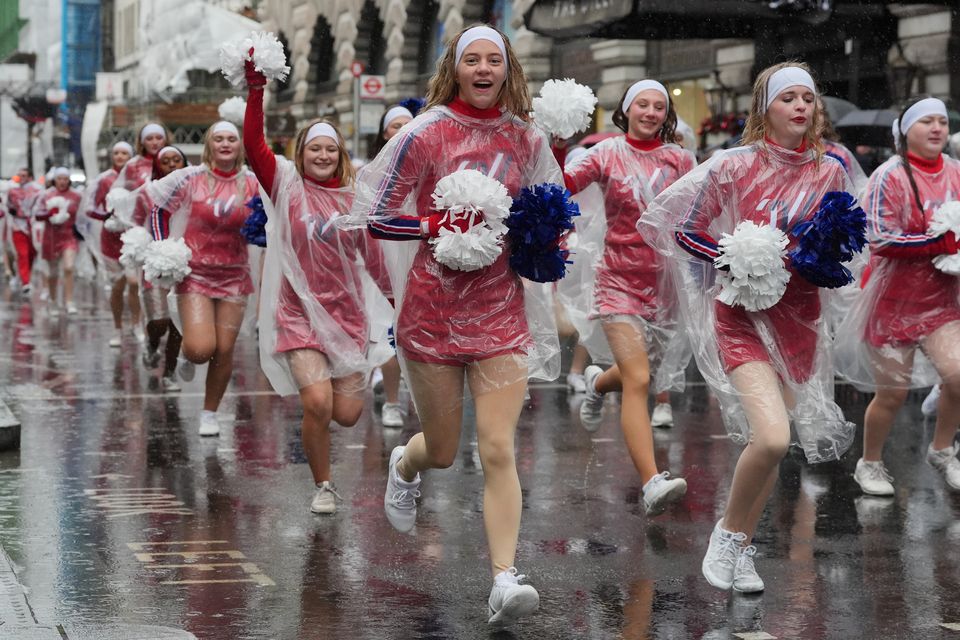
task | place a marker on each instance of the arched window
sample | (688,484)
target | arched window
(371,47)
(321,55)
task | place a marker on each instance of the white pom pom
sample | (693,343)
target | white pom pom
(233,109)
(60,217)
(464,193)
(946,218)
(948,264)
(121,203)
(135,242)
(564,107)
(268,58)
(757,277)
(115,225)
(166,262)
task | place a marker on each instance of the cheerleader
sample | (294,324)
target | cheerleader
(204,205)
(391,414)
(832,147)
(779,178)
(485,326)
(109,243)
(20,217)
(631,298)
(59,207)
(904,330)
(151,138)
(313,327)
(156,310)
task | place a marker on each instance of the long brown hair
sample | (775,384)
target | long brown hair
(514,95)
(756,126)
(827,132)
(345,171)
(668,130)
(206,156)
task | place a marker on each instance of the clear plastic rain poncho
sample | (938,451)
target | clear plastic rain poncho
(153,299)
(850,165)
(208,210)
(446,316)
(312,294)
(58,237)
(102,242)
(906,302)
(616,275)
(767,185)
(137,172)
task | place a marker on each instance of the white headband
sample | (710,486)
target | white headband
(223,125)
(123,145)
(394,113)
(169,148)
(637,87)
(922,109)
(151,129)
(61,171)
(785,78)
(321,129)
(480,33)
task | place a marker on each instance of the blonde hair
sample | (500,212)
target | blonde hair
(138,143)
(514,95)
(345,171)
(206,157)
(757,126)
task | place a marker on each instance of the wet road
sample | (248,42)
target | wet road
(114,511)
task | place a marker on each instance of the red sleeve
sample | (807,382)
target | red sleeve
(584,172)
(944,245)
(259,156)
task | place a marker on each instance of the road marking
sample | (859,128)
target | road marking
(250,571)
(118,502)
(602,440)
(952,626)
(755,635)
(356,446)
(140,546)
(111,476)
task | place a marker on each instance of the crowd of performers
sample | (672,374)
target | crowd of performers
(348,281)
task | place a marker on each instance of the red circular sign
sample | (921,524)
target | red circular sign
(356,68)
(372,86)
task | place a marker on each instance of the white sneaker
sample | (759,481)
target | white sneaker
(873,478)
(325,499)
(44,294)
(721,559)
(391,415)
(945,461)
(576,383)
(209,425)
(117,340)
(745,577)
(509,600)
(660,491)
(929,406)
(662,415)
(169,384)
(591,410)
(71,309)
(138,334)
(400,498)
(186,369)
(150,357)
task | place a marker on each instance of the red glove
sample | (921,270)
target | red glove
(254,77)
(450,222)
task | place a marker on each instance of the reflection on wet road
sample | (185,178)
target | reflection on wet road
(115,511)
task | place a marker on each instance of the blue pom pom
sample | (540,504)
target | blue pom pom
(833,235)
(254,228)
(413,105)
(539,217)
(843,163)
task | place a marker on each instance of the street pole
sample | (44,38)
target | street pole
(356,117)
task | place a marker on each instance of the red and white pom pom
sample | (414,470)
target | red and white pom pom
(60,204)
(268,58)
(115,225)
(135,242)
(757,276)
(463,193)
(233,110)
(947,218)
(166,262)
(564,107)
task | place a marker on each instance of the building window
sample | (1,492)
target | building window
(499,13)
(321,55)
(431,38)
(125,34)
(371,47)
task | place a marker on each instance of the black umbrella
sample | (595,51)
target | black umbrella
(838,107)
(867,126)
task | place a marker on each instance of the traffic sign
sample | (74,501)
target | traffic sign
(372,87)
(356,68)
